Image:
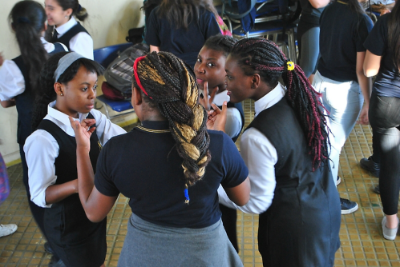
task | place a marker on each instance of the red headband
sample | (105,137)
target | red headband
(137,77)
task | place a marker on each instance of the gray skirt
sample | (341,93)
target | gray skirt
(148,244)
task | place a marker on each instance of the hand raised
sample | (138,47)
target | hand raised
(207,101)
(217,118)
(83,132)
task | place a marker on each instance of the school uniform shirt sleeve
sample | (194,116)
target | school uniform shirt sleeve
(233,124)
(260,156)
(235,170)
(12,82)
(103,180)
(152,30)
(82,44)
(41,151)
(376,41)
(364,27)
(105,129)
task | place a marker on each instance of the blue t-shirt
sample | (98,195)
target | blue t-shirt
(183,43)
(146,168)
(342,36)
(387,82)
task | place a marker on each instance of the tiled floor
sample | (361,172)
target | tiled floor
(362,243)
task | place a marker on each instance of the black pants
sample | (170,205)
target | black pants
(229,217)
(384,116)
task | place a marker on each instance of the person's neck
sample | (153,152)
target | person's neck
(221,88)
(262,91)
(58,106)
(64,22)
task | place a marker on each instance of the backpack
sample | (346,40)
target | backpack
(119,73)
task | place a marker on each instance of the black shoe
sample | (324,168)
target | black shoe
(48,248)
(376,189)
(348,206)
(369,165)
(56,262)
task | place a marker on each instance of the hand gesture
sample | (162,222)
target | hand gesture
(217,118)
(83,132)
(206,101)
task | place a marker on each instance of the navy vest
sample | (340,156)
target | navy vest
(24,101)
(66,221)
(280,125)
(240,108)
(66,37)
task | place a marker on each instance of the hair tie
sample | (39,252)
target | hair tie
(64,63)
(137,76)
(290,65)
(23,20)
(79,8)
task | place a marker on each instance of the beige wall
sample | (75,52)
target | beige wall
(108,24)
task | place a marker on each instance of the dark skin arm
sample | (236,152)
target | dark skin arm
(56,193)
(95,204)
(240,194)
(7,103)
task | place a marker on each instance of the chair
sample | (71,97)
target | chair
(104,56)
(273,18)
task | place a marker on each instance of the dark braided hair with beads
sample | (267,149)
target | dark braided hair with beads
(46,93)
(169,84)
(258,55)
(221,43)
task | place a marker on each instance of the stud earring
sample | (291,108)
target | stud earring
(61,94)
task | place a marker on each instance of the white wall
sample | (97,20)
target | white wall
(108,24)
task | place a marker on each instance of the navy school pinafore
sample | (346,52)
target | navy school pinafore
(75,239)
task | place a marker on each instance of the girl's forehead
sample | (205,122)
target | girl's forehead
(211,53)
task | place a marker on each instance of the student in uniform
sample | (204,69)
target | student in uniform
(340,77)
(170,168)
(383,59)
(181,28)
(210,76)
(210,73)
(67,89)
(286,150)
(61,14)
(19,77)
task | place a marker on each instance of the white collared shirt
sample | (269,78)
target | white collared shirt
(41,150)
(81,43)
(233,124)
(12,82)
(260,157)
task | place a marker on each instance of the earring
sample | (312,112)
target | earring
(66,17)
(61,94)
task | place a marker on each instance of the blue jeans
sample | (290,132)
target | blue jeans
(384,116)
(309,50)
(343,102)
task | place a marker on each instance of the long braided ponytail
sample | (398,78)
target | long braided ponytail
(257,55)
(166,82)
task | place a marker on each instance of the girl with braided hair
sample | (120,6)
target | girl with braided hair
(210,73)
(164,167)
(286,150)
(68,85)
